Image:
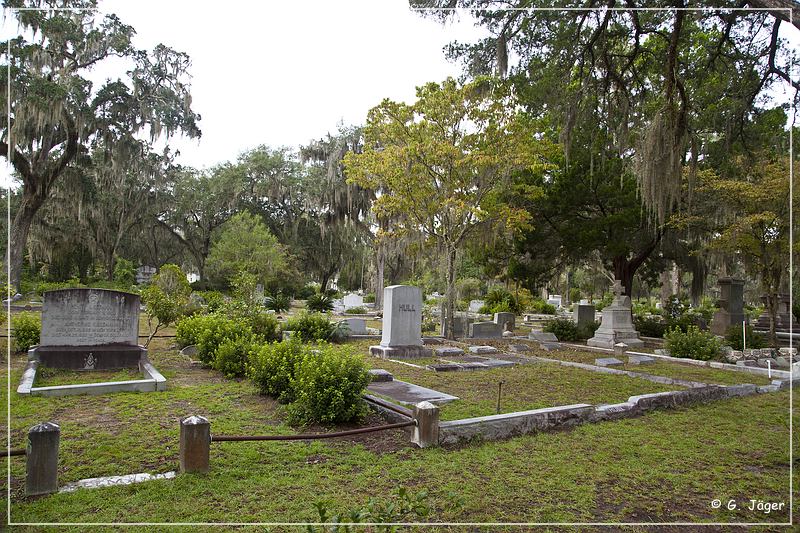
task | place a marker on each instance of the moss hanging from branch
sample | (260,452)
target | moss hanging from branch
(658,162)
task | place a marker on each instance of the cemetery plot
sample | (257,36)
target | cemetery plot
(52,377)
(525,387)
(670,369)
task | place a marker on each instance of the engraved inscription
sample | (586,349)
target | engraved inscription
(76,318)
(407,307)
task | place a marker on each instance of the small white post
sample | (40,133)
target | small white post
(769,369)
(744,336)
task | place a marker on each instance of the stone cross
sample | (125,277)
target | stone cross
(618,289)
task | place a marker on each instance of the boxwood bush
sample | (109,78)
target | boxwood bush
(310,327)
(754,340)
(232,355)
(272,368)
(563,328)
(649,326)
(693,344)
(327,386)
(27,328)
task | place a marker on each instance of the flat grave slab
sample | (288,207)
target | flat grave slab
(519,348)
(482,349)
(640,360)
(448,351)
(608,361)
(408,393)
(379,374)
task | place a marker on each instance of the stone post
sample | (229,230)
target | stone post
(426,432)
(195,443)
(41,475)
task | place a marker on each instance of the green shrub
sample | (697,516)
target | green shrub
(327,387)
(124,272)
(264,325)
(499,300)
(213,300)
(232,356)
(369,298)
(356,311)
(320,303)
(310,327)
(574,295)
(650,326)
(272,368)
(278,302)
(754,340)
(693,344)
(307,291)
(218,330)
(563,328)
(541,307)
(27,328)
(45,286)
(587,330)
(604,302)
(188,329)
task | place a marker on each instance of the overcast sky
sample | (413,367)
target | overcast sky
(284,73)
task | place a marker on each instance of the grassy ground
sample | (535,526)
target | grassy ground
(660,368)
(529,386)
(51,377)
(666,466)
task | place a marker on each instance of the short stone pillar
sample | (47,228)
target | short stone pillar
(41,475)
(195,444)
(620,348)
(426,432)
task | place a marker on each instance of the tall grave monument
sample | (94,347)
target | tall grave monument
(731,306)
(402,324)
(617,324)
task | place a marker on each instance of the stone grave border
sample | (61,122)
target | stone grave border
(501,426)
(152,381)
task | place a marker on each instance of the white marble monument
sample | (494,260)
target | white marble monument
(402,323)
(617,324)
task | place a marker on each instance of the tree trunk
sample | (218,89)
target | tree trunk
(624,271)
(28,208)
(380,260)
(109,260)
(450,293)
(323,283)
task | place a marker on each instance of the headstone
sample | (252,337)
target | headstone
(485,330)
(617,323)
(640,360)
(460,325)
(475,305)
(554,299)
(505,320)
(352,300)
(402,323)
(608,361)
(783,319)
(547,341)
(620,348)
(89,329)
(731,306)
(583,314)
(355,326)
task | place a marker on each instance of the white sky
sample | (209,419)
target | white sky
(284,73)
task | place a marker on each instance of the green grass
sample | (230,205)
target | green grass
(665,466)
(51,377)
(674,370)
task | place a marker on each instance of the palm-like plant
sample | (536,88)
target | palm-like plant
(319,303)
